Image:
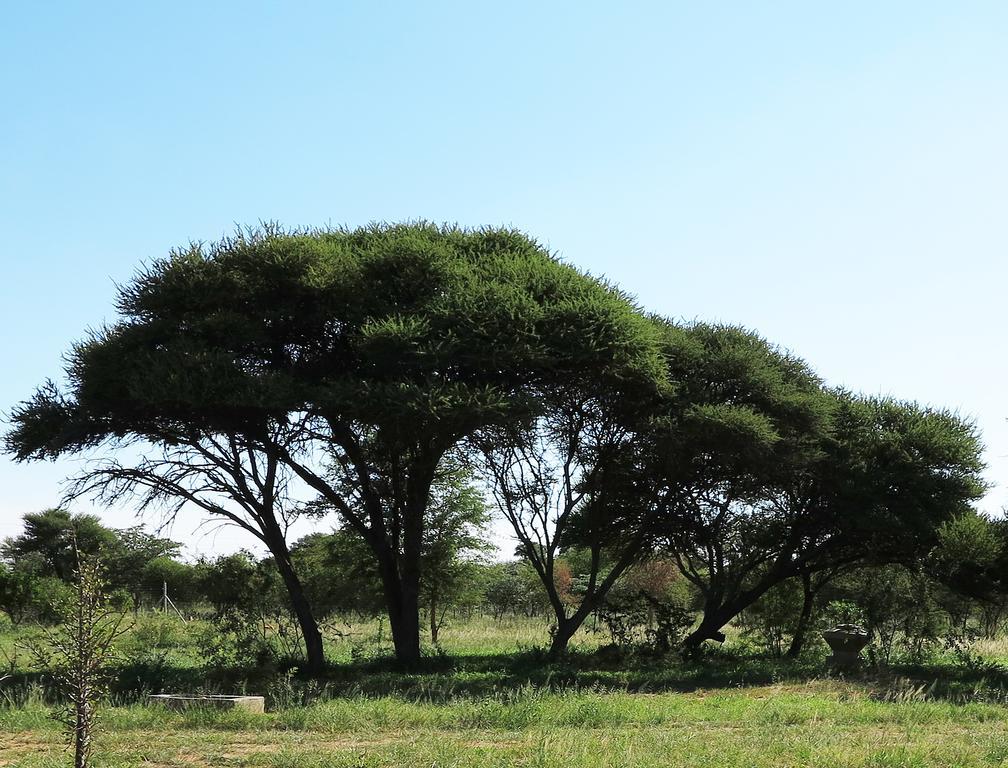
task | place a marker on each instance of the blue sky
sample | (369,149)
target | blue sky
(832,175)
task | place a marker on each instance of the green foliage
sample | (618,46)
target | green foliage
(513,588)
(16,593)
(128,556)
(494,704)
(899,608)
(239,582)
(397,326)
(338,573)
(46,545)
(182,580)
(251,623)
(970,539)
(49,598)
(773,619)
(970,558)
(25,595)
(843,612)
(455,540)
(650,608)
(45,552)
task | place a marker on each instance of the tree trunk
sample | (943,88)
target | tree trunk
(406,630)
(567,626)
(718,612)
(565,630)
(401,574)
(403,606)
(82,731)
(314,651)
(801,628)
(708,629)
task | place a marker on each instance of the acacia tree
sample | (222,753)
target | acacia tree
(741,417)
(50,540)
(228,476)
(385,345)
(567,479)
(800,480)
(613,468)
(889,476)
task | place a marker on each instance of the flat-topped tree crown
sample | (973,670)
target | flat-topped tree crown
(896,471)
(740,410)
(402,326)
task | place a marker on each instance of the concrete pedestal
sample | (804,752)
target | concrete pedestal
(178,702)
(846,641)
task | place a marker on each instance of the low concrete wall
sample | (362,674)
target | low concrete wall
(181,701)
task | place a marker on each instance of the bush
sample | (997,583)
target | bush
(514,588)
(49,599)
(773,619)
(650,607)
(899,610)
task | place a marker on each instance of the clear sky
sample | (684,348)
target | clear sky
(834,175)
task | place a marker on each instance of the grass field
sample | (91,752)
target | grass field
(816,724)
(490,700)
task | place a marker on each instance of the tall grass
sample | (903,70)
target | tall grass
(818,723)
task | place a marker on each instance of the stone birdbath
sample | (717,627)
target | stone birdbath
(846,641)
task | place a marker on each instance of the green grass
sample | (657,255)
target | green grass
(816,724)
(490,699)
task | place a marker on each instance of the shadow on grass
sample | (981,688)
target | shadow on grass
(439,679)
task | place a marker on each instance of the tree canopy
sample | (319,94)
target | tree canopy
(355,358)
(276,375)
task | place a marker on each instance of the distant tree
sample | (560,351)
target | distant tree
(970,562)
(46,548)
(454,541)
(514,588)
(650,606)
(969,554)
(180,579)
(236,582)
(128,556)
(339,573)
(357,359)
(47,542)
(17,592)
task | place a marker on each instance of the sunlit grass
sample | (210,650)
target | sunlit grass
(820,723)
(476,635)
(487,698)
